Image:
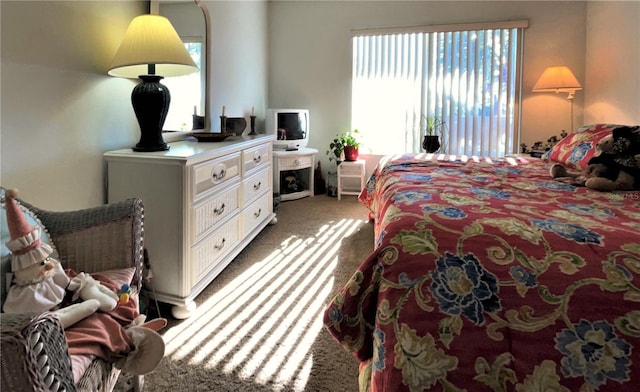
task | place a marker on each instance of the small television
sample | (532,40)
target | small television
(290,126)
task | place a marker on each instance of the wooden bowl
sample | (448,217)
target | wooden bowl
(236,125)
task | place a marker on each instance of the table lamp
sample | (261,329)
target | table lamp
(150,50)
(558,79)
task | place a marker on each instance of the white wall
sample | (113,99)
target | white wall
(310,46)
(612,87)
(238,59)
(60,109)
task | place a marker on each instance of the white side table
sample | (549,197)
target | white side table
(300,163)
(350,169)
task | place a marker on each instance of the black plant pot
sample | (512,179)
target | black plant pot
(431,143)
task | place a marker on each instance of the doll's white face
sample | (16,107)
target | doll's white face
(35,272)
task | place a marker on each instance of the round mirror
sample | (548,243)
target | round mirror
(187,110)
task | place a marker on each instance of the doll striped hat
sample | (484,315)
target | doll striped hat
(25,244)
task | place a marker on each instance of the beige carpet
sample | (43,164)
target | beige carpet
(258,326)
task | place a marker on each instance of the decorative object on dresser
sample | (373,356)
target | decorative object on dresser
(237,125)
(558,79)
(300,163)
(253,123)
(151,45)
(211,136)
(204,203)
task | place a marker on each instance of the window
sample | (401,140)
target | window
(467,75)
(186,91)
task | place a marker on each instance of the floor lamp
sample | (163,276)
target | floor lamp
(558,79)
(151,49)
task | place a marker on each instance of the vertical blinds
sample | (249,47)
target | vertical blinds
(469,78)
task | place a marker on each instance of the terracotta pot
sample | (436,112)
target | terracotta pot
(350,153)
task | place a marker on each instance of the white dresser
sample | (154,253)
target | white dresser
(204,202)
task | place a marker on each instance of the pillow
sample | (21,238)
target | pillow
(575,150)
(5,254)
(118,276)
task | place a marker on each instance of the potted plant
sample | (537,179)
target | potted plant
(344,147)
(433,127)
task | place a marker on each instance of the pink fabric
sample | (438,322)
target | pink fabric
(79,365)
(103,334)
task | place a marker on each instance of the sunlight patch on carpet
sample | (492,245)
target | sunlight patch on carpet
(262,325)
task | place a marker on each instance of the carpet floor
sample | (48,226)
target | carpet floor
(258,325)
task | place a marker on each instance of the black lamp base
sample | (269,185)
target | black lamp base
(150,101)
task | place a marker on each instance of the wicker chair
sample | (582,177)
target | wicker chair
(34,350)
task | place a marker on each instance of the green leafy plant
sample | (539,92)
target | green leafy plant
(434,129)
(433,125)
(337,145)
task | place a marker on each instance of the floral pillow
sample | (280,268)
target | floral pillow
(575,150)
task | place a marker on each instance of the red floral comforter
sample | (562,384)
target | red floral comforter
(490,276)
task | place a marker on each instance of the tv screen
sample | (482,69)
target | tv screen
(290,127)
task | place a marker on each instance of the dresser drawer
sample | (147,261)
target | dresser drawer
(207,175)
(295,162)
(256,185)
(210,212)
(208,253)
(259,156)
(256,213)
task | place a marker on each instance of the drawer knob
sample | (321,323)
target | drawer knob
(257,213)
(220,245)
(296,162)
(220,175)
(219,211)
(257,186)
(257,159)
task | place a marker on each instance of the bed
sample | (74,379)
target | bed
(487,275)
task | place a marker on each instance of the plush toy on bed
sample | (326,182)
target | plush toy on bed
(616,167)
(40,284)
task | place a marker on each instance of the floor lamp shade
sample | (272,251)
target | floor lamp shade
(150,50)
(558,79)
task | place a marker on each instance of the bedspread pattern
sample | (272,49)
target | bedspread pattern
(490,276)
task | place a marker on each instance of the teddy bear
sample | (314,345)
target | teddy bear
(625,143)
(615,167)
(40,284)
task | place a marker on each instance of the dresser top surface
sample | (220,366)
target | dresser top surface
(190,148)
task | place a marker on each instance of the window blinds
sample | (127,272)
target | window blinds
(468,78)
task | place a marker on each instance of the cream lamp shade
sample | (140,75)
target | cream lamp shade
(151,39)
(557,79)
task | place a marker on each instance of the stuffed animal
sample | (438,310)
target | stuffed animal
(40,284)
(624,142)
(615,167)
(291,183)
(602,173)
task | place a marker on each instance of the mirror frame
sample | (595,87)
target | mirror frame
(154,8)
(207,38)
